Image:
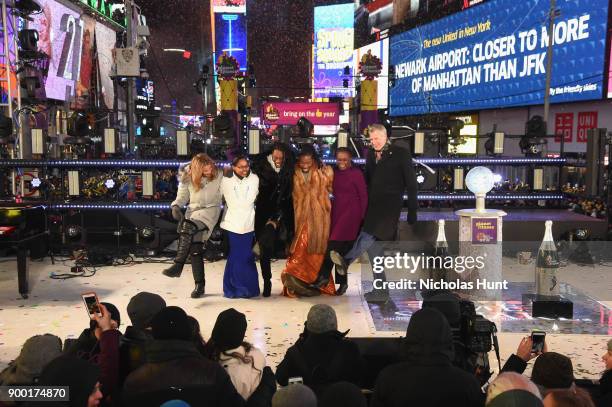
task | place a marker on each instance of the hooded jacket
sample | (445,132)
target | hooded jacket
(427,377)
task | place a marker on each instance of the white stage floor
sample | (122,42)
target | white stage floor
(55,307)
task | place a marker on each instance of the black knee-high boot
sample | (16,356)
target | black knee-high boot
(197,267)
(182,252)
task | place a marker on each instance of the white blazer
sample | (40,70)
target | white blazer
(239,194)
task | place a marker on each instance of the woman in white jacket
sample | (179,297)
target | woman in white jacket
(243,362)
(200,187)
(240,279)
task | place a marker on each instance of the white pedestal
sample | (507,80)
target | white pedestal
(487,246)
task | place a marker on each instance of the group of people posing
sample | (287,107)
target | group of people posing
(275,207)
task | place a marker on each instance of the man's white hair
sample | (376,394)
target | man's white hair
(379,128)
(511,381)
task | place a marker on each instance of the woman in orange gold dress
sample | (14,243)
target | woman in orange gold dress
(312,184)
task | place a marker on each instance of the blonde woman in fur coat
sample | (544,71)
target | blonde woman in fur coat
(312,184)
(200,187)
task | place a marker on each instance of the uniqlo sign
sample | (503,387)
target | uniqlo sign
(564,126)
(586,121)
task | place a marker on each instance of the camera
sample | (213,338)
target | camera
(476,332)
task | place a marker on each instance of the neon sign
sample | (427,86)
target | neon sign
(104,9)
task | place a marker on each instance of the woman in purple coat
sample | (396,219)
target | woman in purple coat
(348,211)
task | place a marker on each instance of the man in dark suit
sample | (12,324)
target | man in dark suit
(389,173)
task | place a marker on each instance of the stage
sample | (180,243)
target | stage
(55,306)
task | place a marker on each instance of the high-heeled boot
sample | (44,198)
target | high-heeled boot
(197,267)
(182,252)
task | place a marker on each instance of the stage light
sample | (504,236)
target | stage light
(109,184)
(74,187)
(305,127)
(148,183)
(497,178)
(495,144)
(420,177)
(538,179)
(535,136)
(223,130)
(74,232)
(458,175)
(38,141)
(419,142)
(581,234)
(254,141)
(111,141)
(147,233)
(26,7)
(182,143)
(36,182)
(343,138)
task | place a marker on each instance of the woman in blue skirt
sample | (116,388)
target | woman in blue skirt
(240,279)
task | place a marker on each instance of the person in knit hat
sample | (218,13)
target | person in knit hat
(513,389)
(553,370)
(243,362)
(322,355)
(174,364)
(82,378)
(141,309)
(36,352)
(296,395)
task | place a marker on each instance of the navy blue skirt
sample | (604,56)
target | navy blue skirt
(240,279)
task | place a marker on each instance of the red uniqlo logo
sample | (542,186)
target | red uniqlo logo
(564,125)
(586,121)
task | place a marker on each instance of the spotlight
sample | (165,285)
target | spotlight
(182,143)
(497,178)
(254,141)
(147,233)
(111,141)
(73,232)
(421,177)
(28,41)
(538,179)
(223,130)
(535,136)
(25,7)
(305,127)
(38,142)
(343,138)
(458,179)
(36,182)
(109,184)
(419,142)
(74,187)
(581,234)
(495,144)
(148,183)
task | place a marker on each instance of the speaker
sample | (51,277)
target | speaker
(596,151)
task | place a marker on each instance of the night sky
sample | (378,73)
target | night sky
(279,46)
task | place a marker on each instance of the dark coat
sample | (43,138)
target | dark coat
(321,360)
(175,364)
(427,377)
(605,390)
(132,351)
(274,197)
(387,181)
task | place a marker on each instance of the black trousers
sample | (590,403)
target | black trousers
(342,247)
(267,239)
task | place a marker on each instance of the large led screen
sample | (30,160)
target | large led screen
(231,36)
(60,33)
(381,50)
(494,55)
(333,50)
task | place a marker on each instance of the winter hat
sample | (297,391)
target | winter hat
(115,315)
(171,323)
(447,303)
(294,395)
(343,394)
(35,354)
(516,398)
(79,375)
(175,403)
(429,337)
(321,318)
(143,307)
(228,332)
(509,381)
(553,370)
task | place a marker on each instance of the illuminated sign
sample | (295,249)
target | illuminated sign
(381,50)
(494,55)
(103,8)
(333,51)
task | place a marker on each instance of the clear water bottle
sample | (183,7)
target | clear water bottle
(547,266)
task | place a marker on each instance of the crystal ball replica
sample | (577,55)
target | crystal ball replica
(479,180)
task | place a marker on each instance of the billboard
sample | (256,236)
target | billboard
(231,36)
(60,34)
(379,49)
(105,43)
(145,94)
(288,113)
(229,6)
(333,50)
(494,55)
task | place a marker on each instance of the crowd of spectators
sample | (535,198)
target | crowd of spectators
(163,359)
